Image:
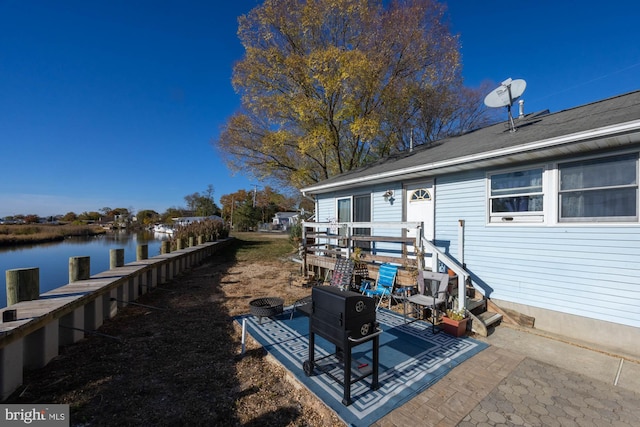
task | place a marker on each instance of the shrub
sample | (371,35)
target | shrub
(212,230)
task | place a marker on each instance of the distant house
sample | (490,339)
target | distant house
(186,220)
(285,219)
(544,220)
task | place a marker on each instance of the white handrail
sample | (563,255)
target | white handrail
(463,275)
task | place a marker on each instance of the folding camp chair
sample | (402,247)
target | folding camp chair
(340,276)
(432,294)
(342,273)
(383,288)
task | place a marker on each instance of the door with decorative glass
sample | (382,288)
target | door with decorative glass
(419,207)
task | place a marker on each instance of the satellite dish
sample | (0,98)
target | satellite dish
(505,95)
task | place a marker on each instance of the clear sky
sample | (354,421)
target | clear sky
(115,103)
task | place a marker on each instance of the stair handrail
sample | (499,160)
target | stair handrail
(463,275)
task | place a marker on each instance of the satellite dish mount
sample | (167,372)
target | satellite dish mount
(505,95)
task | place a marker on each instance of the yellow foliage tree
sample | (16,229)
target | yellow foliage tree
(330,85)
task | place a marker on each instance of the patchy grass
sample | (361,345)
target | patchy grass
(263,247)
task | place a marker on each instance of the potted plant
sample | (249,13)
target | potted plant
(454,322)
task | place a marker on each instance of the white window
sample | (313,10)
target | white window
(516,196)
(604,189)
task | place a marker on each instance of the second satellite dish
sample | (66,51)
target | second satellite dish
(505,94)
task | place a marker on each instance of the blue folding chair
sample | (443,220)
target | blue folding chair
(383,288)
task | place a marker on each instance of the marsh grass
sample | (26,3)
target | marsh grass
(22,234)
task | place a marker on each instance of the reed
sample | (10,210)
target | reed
(11,235)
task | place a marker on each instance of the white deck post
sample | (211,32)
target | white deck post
(462,290)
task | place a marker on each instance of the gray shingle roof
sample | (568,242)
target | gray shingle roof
(532,128)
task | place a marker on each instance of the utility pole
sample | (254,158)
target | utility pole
(255,192)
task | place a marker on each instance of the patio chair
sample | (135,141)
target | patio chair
(432,295)
(341,276)
(385,282)
(342,273)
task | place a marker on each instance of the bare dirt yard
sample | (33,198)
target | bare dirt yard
(175,361)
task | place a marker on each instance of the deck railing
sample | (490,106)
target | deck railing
(401,243)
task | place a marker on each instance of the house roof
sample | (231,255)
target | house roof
(286,214)
(613,122)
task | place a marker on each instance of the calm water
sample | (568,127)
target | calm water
(53,258)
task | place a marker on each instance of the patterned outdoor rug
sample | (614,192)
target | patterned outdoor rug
(411,359)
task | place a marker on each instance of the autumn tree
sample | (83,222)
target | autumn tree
(89,216)
(31,219)
(329,85)
(70,216)
(148,216)
(239,210)
(250,207)
(202,204)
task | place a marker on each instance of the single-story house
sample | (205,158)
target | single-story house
(545,220)
(285,219)
(186,220)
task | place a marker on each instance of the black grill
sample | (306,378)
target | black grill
(346,319)
(337,315)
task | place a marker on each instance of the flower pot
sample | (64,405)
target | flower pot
(457,328)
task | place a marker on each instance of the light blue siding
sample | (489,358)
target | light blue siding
(387,211)
(381,211)
(586,270)
(326,209)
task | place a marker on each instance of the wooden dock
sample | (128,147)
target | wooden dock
(63,315)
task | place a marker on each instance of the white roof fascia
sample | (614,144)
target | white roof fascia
(532,146)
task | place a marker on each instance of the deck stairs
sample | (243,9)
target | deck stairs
(485,315)
(482,320)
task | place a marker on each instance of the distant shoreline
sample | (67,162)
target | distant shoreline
(17,235)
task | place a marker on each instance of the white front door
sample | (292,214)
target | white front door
(419,207)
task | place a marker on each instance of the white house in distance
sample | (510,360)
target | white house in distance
(545,220)
(285,219)
(186,220)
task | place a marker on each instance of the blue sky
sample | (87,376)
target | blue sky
(115,103)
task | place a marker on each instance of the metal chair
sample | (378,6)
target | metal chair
(432,294)
(341,277)
(342,274)
(385,282)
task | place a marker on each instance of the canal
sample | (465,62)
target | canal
(53,258)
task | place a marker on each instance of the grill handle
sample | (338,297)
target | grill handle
(363,339)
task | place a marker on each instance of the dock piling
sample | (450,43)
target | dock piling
(23,284)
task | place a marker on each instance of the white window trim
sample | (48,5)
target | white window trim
(550,185)
(594,222)
(518,218)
